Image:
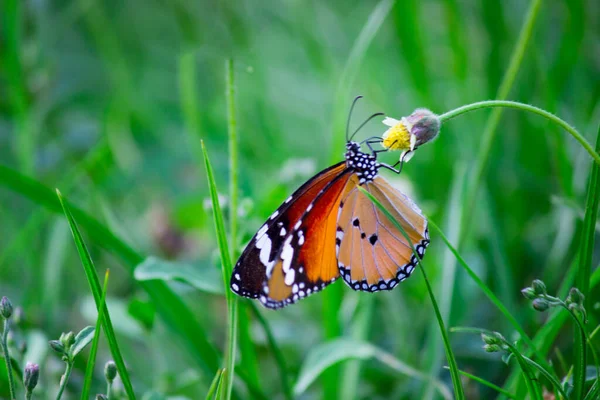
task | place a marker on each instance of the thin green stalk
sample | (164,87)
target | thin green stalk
(455,375)
(523,107)
(64,379)
(588,233)
(89,369)
(214,386)
(232,302)
(233,155)
(11,382)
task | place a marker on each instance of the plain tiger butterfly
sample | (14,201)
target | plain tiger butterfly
(329,229)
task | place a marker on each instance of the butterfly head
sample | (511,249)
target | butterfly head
(364,165)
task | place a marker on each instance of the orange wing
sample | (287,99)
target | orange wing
(287,259)
(372,253)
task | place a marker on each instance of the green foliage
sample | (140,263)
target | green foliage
(110,102)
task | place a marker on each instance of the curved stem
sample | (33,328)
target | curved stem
(525,107)
(64,379)
(4,343)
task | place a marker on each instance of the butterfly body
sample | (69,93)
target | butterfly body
(328,229)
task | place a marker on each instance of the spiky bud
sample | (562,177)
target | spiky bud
(539,287)
(6,308)
(575,296)
(31,376)
(529,293)
(110,371)
(540,304)
(492,348)
(57,346)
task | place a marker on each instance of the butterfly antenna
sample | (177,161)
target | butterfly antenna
(364,123)
(350,115)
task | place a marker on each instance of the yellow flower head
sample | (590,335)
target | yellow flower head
(397,137)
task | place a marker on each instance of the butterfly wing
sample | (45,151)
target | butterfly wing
(372,253)
(282,256)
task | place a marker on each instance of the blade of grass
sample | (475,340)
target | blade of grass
(249,361)
(488,384)
(94,282)
(216,383)
(227,268)
(89,369)
(456,383)
(174,311)
(586,252)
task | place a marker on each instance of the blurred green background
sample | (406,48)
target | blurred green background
(107,100)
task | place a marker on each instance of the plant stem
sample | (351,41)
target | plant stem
(109,390)
(11,382)
(524,107)
(64,379)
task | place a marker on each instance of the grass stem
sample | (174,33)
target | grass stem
(11,382)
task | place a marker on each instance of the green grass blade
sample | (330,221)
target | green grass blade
(555,382)
(488,384)
(249,361)
(586,252)
(174,311)
(215,384)
(456,383)
(89,369)
(94,282)
(227,269)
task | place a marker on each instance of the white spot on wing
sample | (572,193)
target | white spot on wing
(274,215)
(288,199)
(235,287)
(287,254)
(262,231)
(289,277)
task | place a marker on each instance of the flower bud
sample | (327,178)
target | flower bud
(575,296)
(488,339)
(529,293)
(110,371)
(101,397)
(57,346)
(539,287)
(31,376)
(540,304)
(492,348)
(424,125)
(6,308)
(67,339)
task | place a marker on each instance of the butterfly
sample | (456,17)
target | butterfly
(329,229)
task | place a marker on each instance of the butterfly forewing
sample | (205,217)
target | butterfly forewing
(372,253)
(263,259)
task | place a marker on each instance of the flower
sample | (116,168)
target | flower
(410,132)
(31,376)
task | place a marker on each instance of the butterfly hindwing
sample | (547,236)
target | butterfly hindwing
(250,272)
(372,253)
